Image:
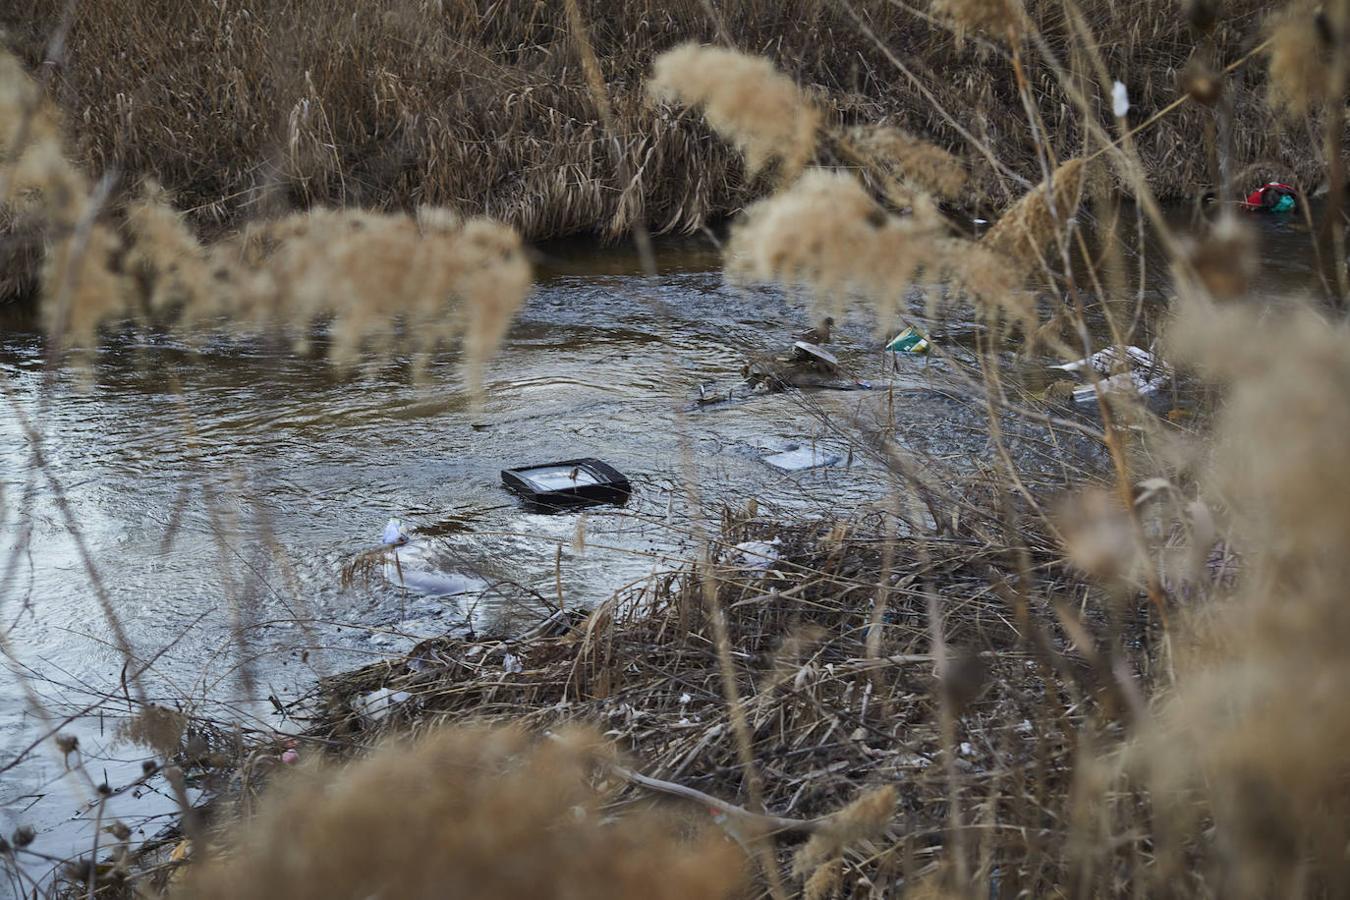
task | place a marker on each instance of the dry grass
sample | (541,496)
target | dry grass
(464,812)
(253,107)
(380,282)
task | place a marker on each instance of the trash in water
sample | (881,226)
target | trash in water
(797,458)
(377,705)
(1105,360)
(433,584)
(756,555)
(1124,382)
(816,354)
(911,340)
(1147,373)
(570,483)
(1272,197)
(408,564)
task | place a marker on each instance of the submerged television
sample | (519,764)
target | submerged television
(569,483)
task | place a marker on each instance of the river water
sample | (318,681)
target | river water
(220,489)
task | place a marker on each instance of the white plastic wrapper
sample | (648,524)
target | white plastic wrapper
(1120,100)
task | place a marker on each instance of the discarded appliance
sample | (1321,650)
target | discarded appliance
(911,340)
(797,458)
(569,483)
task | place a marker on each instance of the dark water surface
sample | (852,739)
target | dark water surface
(270,472)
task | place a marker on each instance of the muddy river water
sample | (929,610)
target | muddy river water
(219,490)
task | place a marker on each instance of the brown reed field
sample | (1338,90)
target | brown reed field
(1133,685)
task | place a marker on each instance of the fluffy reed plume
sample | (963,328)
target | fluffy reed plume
(462,812)
(1226,258)
(386,280)
(1097,536)
(1027,229)
(82,285)
(911,159)
(827,235)
(864,818)
(1262,719)
(1299,79)
(996,18)
(166,260)
(745,100)
(34,170)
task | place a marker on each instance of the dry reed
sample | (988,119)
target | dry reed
(1299,54)
(1027,230)
(460,812)
(385,282)
(911,158)
(745,100)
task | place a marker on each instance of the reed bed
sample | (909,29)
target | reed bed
(253,107)
(833,716)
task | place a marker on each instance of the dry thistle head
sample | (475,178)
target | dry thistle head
(1226,258)
(462,812)
(1097,534)
(745,99)
(1201,81)
(1299,69)
(999,19)
(911,159)
(1028,228)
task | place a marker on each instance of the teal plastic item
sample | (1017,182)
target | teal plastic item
(911,340)
(1285,204)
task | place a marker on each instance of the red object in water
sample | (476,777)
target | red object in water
(1268,196)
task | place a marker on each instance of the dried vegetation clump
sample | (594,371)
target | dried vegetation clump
(745,100)
(1260,720)
(912,159)
(381,282)
(463,812)
(1300,80)
(1001,19)
(1027,230)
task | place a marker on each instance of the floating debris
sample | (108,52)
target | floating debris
(568,484)
(911,340)
(1145,373)
(378,704)
(797,458)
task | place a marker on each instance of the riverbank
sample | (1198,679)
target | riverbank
(838,691)
(250,110)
